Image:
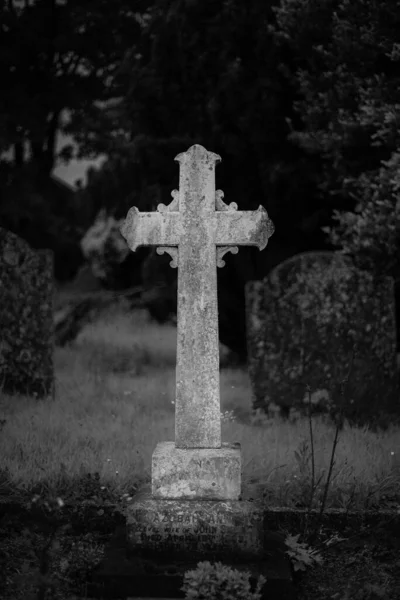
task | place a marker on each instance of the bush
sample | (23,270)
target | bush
(219,582)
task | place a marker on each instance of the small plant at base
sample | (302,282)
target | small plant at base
(228,416)
(42,580)
(314,485)
(219,582)
(300,555)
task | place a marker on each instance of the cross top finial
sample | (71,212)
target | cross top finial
(198,154)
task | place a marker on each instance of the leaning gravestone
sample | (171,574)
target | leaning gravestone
(26,318)
(194,510)
(302,322)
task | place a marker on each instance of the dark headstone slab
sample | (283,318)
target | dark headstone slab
(26,318)
(124,573)
(302,322)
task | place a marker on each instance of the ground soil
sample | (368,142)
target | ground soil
(364,567)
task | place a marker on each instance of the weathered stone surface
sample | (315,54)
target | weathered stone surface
(197,229)
(302,321)
(196,482)
(198,526)
(26,317)
(206,473)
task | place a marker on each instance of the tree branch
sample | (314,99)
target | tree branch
(18,154)
(52,34)
(75,66)
(51,141)
(11,7)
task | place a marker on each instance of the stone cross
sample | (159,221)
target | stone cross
(196,229)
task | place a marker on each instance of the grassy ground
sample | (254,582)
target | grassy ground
(114,402)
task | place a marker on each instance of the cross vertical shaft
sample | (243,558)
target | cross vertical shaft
(197,408)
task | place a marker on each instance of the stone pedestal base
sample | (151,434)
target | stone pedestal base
(125,574)
(201,473)
(200,527)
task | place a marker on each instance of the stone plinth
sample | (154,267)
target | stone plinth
(199,527)
(205,473)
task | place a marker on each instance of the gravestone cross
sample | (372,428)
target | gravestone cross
(196,229)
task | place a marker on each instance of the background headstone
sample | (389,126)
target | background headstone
(26,318)
(302,321)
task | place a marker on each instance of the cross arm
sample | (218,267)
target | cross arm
(243,228)
(151,228)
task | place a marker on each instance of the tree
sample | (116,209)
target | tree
(347,74)
(207,73)
(57,66)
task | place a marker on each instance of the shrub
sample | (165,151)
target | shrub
(219,582)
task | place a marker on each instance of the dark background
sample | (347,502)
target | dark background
(299,99)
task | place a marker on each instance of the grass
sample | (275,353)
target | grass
(115,391)
(114,402)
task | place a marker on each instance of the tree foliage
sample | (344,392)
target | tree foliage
(347,73)
(58,61)
(57,67)
(206,73)
(300,100)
